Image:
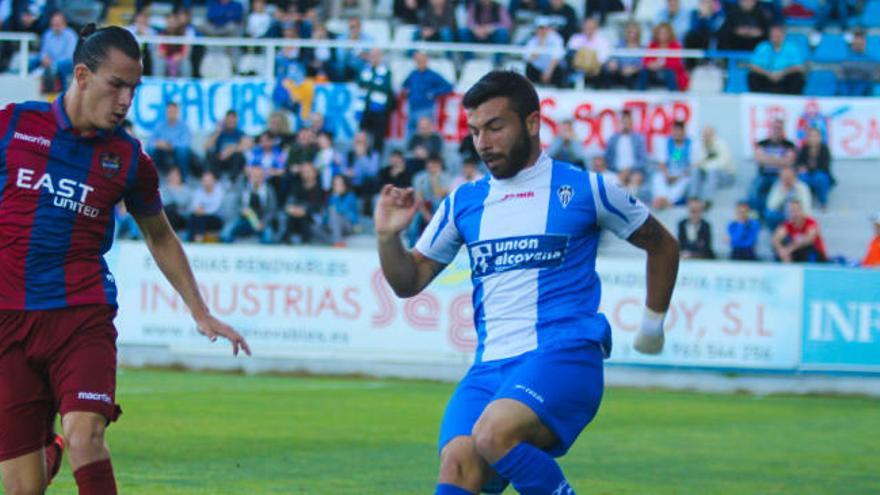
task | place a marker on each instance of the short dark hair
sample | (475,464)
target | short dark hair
(94,45)
(171,103)
(397,151)
(679,124)
(512,85)
(626,112)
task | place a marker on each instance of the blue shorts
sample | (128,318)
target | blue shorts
(563,385)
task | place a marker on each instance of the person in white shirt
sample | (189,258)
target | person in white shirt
(258,21)
(713,167)
(591,49)
(207,203)
(544,54)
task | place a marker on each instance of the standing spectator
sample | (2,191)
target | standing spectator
(363,166)
(423,87)
(695,233)
(255,207)
(225,148)
(705,23)
(377,97)
(624,71)
(678,18)
(563,16)
(713,167)
(743,233)
(431,186)
(258,20)
(670,181)
(745,25)
(487,22)
(566,147)
(396,172)
(350,61)
(787,188)
(470,172)
(343,214)
(590,51)
(206,208)
(225,18)
(176,199)
(799,240)
(329,161)
(663,71)
(173,60)
(858,70)
(407,11)
(56,53)
(437,22)
(300,220)
(291,60)
(545,52)
(141,27)
(872,256)
(170,144)
(771,155)
(424,143)
(777,66)
(813,164)
(268,155)
(627,154)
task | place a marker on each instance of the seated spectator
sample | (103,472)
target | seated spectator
(225,18)
(743,234)
(705,23)
(627,154)
(206,209)
(431,186)
(565,146)
(318,123)
(304,149)
(545,54)
(279,127)
(525,11)
(487,22)
(745,25)
(771,155)
(320,61)
(30,16)
(787,188)
(329,161)
(668,72)
(170,144)
(56,54)
(799,240)
(424,143)
(872,256)
(350,61)
(377,96)
(601,8)
(624,71)
(677,17)
(172,60)
(290,60)
(268,155)
(423,87)
(858,71)
(589,50)
(126,226)
(437,22)
(258,20)
(813,164)
(713,167)
(563,16)
(833,9)
(343,213)
(300,221)
(669,184)
(396,172)
(363,167)
(176,199)
(141,27)
(777,66)
(695,233)
(470,172)
(355,9)
(225,148)
(407,11)
(255,207)
(600,167)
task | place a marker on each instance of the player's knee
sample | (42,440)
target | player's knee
(493,439)
(85,442)
(461,465)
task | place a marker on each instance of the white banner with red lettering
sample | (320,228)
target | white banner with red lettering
(335,304)
(849,125)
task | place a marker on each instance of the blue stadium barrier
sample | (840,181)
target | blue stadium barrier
(831,49)
(821,83)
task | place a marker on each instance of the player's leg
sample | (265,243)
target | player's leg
(88,455)
(25,474)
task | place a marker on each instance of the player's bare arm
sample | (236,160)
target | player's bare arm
(171,259)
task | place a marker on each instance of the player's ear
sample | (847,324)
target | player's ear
(533,123)
(82,75)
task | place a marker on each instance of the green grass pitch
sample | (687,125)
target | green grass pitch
(208,433)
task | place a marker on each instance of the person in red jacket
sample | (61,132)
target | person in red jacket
(663,71)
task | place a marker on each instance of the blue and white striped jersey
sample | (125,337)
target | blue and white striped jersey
(532,243)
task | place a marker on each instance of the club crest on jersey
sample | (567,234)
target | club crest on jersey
(110,164)
(565,193)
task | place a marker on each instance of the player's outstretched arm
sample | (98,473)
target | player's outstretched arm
(662,269)
(407,271)
(168,253)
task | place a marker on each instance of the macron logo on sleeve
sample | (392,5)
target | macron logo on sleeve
(97,396)
(40,140)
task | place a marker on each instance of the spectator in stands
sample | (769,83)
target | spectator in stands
(677,17)
(424,143)
(363,166)
(437,22)
(836,9)
(859,70)
(171,143)
(624,71)
(258,20)
(787,188)
(743,233)
(291,60)
(377,97)
(206,209)
(225,18)
(771,154)
(350,61)
(799,240)
(320,61)
(407,11)
(319,123)
(56,53)
(627,154)
(141,27)
(396,172)
(423,87)
(601,8)
(669,184)
(305,148)
(813,164)
(431,186)
(589,50)
(279,128)
(255,208)
(329,161)
(197,52)
(31,16)
(470,172)
(663,71)
(225,148)
(126,227)
(526,10)
(354,9)
(695,233)
(488,22)
(777,66)
(872,256)
(176,199)
(566,147)
(713,167)
(343,213)
(173,60)
(269,155)
(705,23)
(300,221)
(600,166)
(545,54)
(745,25)
(563,16)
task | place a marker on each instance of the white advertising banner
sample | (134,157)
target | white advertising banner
(850,125)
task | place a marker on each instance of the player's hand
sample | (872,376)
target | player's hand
(212,328)
(650,338)
(394,210)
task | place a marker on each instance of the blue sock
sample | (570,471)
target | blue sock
(533,472)
(447,489)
